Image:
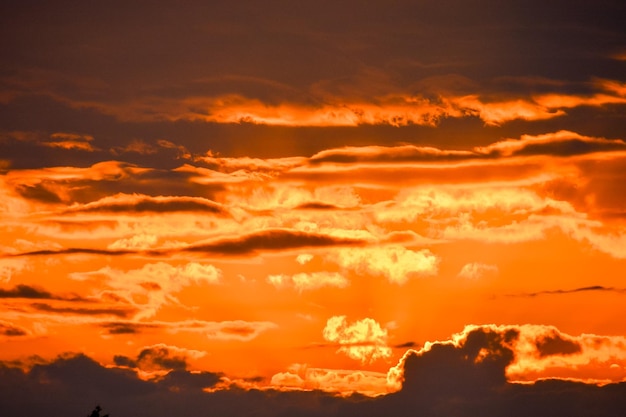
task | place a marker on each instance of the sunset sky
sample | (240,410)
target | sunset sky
(333,207)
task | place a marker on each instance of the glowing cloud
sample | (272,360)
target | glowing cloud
(364,340)
(477,270)
(309,281)
(396,263)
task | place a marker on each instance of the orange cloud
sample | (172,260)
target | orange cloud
(344,382)
(136,203)
(309,281)
(476,270)
(396,263)
(363,340)
(528,353)
(155,283)
(391,108)
(561,143)
(229,330)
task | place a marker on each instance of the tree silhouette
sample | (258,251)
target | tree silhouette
(96,412)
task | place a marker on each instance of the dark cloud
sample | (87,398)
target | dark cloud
(462,380)
(38,192)
(27,291)
(87,311)
(115,82)
(272,240)
(592,288)
(120,328)
(406,345)
(11,330)
(154,358)
(267,240)
(469,379)
(555,344)
(317,206)
(570,147)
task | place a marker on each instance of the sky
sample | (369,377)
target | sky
(342,208)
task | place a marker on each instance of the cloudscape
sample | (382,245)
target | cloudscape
(297,208)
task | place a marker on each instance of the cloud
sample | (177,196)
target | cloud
(25,291)
(307,281)
(364,340)
(477,270)
(464,376)
(70,141)
(135,203)
(30,292)
(556,344)
(156,283)
(562,143)
(141,241)
(159,357)
(343,382)
(396,263)
(246,245)
(387,154)
(511,353)
(592,288)
(236,330)
(304,258)
(87,311)
(9,267)
(121,328)
(10,330)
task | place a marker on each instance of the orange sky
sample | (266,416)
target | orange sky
(317,210)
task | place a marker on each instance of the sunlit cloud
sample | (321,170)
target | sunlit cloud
(477,270)
(345,382)
(11,267)
(364,340)
(396,263)
(529,353)
(304,258)
(156,283)
(309,281)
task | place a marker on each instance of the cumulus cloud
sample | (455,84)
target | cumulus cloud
(159,357)
(520,353)
(396,263)
(344,382)
(476,270)
(140,241)
(306,281)
(463,376)
(364,340)
(304,258)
